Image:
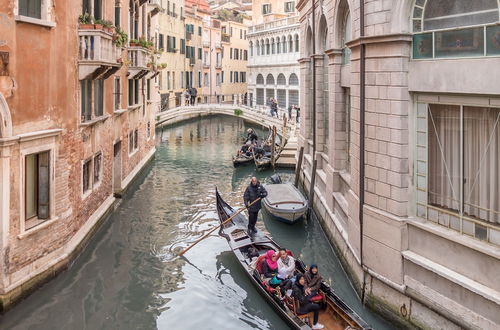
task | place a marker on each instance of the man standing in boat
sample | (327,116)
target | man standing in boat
(254,190)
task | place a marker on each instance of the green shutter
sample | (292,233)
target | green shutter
(43,184)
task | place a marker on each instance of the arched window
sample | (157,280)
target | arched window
(468,28)
(267,47)
(296,43)
(251,48)
(273,46)
(278,46)
(293,80)
(281,79)
(260,79)
(283,42)
(290,44)
(346,37)
(270,79)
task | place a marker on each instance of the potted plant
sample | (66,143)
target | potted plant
(134,42)
(85,22)
(120,38)
(98,24)
(108,26)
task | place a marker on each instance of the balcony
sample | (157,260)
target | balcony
(154,7)
(226,38)
(189,36)
(98,56)
(218,44)
(206,43)
(274,25)
(139,58)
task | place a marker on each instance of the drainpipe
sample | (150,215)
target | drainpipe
(313,61)
(362,88)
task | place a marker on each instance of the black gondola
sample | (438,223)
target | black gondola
(335,315)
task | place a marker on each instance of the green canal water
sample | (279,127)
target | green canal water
(127,277)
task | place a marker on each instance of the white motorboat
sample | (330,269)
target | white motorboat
(285,202)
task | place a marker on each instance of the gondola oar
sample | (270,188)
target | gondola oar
(213,229)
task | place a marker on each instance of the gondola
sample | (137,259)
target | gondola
(241,160)
(265,161)
(335,314)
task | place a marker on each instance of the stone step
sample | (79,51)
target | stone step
(286,162)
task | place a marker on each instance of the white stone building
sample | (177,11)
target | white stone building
(404,127)
(274,44)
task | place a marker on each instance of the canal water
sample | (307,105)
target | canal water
(128,278)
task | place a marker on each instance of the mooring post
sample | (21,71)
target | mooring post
(299,165)
(313,181)
(273,145)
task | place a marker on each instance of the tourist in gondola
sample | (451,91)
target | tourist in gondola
(305,306)
(246,149)
(313,280)
(251,136)
(270,264)
(259,152)
(286,265)
(254,190)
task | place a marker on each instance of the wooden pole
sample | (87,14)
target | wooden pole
(213,229)
(313,181)
(273,145)
(299,165)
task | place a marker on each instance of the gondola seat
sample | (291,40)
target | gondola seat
(317,298)
(308,316)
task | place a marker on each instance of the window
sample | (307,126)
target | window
(148,89)
(133,92)
(93,7)
(283,42)
(455,28)
(199,78)
(290,44)
(456,167)
(222,77)
(97,167)
(251,48)
(86,99)
(98,97)
(92,98)
(245,55)
(199,30)
(236,77)
(230,53)
(161,41)
(293,80)
(217,79)
(266,9)
(346,37)
(148,130)
(347,102)
(183,46)
(231,76)
(136,138)
(270,79)
(260,79)
(243,77)
(241,34)
(117,15)
(199,54)
(168,80)
(117,93)
(296,43)
(30,8)
(281,79)
(86,184)
(289,6)
(37,185)
(133,137)
(205,79)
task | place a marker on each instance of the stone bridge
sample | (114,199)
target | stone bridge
(255,116)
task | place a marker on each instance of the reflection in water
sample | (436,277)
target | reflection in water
(128,277)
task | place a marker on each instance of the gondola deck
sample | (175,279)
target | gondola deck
(337,314)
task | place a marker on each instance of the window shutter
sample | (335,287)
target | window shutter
(43,185)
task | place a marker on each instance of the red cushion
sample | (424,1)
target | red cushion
(316,298)
(258,263)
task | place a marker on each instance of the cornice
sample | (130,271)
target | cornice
(385,38)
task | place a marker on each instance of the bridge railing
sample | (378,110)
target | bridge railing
(236,105)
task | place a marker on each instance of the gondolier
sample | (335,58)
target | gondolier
(254,190)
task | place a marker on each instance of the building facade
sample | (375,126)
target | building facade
(76,126)
(194,51)
(172,50)
(273,45)
(234,61)
(401,115)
